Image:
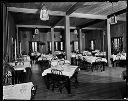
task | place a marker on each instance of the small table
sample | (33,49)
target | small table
(20,72)
(92,60)
(117,59)
(69,71)
(18,91)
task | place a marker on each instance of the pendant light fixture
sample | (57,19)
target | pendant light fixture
(75,32)
(36,31)
(44,13)
(113,18)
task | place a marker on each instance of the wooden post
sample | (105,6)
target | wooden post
(6,34)
(52,34)
(109,43)
(80,40)
(67,38)
(20,47)
(103,39)
(17,41)
(15,50)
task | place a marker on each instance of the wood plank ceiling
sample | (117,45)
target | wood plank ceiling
(82,14)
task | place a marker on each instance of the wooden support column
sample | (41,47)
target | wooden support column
(52,34)
(80,40)
(103,39)
(108,43)
(17,41)
(15,50)
(7,34)
(67,38)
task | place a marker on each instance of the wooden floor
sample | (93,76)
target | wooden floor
(92,85)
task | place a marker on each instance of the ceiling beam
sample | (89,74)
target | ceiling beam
(118,13)
(93,28)
(40,26)
(87,16)
(89,28)
(74,7)
(89,23)
(70,10)
(57,13)
(33,26)
(60,13)
(34,11)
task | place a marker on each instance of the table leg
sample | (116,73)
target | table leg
(46,82)
(103,66)
(68,86)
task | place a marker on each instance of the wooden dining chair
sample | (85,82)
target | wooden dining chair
(86,65)
(33,91)
(98,64)
(8,75)
(79,60)
(28,74)
(58,80)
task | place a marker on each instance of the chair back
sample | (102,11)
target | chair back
(44,58)
(19,63)
(56,72)
(8,74)
(54,58)
(98,59)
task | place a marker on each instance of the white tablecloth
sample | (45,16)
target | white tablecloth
(67,70)
(55,62)
(47,57)
(118,57)
(26,58)
(22,67)
(92,59)
(18,91)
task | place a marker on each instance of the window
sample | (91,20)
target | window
(116,45)
(75,45)
(56,45)
(92,44)
(34,46)
(49,47)
(61,45)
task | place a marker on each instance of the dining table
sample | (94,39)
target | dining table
(20,71)
(18,91)
(20,66)
(69,71)
(118,59)
(92,59)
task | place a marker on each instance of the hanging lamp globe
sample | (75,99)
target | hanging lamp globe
(44,13)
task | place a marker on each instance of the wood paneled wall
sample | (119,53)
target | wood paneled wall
(119,30)
(44,37)
(96,35)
